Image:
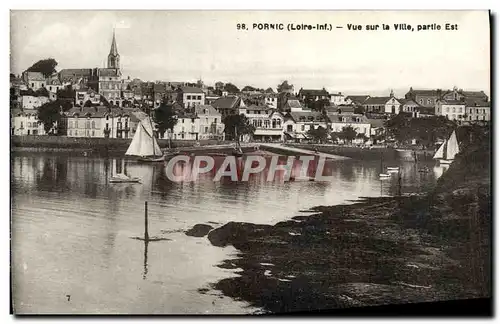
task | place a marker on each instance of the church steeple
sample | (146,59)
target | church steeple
(113,57)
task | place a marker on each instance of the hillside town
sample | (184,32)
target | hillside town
(104,103)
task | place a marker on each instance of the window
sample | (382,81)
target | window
(93,125)
(199,97)
(188,97)
(76,133)
(447,109)
(429,101)
(192,120)
(454,110)
(93,133)
(206,129)
(421,101)
(70,132)
(302,127)
(107,118)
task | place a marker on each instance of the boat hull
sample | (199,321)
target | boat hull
(120,180)
(442,161)
(150,159)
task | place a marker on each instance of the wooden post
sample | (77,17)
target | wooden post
(146,234)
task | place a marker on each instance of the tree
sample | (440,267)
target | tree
(248,88)
(362,136)
(284,87)
(319,134)
(348,133)
(231,88)
(49,114)
(165,119)
(46,66)
(237,124)
(219,85)
(66,92)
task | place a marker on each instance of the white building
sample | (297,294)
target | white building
(271,99)
(298,123)
(477,110)
(337,99)
(34,80)
(99,122)
(268,122)
(210,122)
(25,122)
(187,128)
(452,109)
(33,101)
(192,96)
(359,122)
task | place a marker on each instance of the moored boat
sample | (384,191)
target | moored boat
(144,145)
(447,151)
(123,178)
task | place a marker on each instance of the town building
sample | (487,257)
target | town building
(25,122)
(424,97)
(87,94)
(192,96)
(229,105)
(74,76)
(359,122)
(337,99)
(298,123)
(210,122)
(382,105)
(268,122)
(99,121)
(53,84)
(31,100)
(271,100)
(34,80)
(309,96)
(477,110)
(357,100)
(451,109)
(187,127)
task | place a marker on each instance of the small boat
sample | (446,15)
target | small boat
(447,151)
(384,175)
(393,168)
(144,145)
(123,178)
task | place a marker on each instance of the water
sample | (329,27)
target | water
(72,232)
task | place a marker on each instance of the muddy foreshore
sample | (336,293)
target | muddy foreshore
(379,251)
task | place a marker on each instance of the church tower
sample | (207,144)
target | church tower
(113,57)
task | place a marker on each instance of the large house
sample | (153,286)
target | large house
(25,122)
(99,121)
(425,98)
(337,99)
(192,96)
(268,122)
(452,109)
(477,110)
(34,80)
(229,105)
(298,123)
(358,122)
(87,94)
(187,127)
(210,122)
(382,105)
(31,100)
(357,100)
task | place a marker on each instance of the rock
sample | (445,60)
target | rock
(199,230)
(236,232)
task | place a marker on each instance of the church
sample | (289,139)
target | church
(109,83)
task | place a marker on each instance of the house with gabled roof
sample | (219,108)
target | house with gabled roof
(210,123)
(382,105)
(98,121)
(298,123)
(337,121)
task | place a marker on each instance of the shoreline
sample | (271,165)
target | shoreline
(379,251)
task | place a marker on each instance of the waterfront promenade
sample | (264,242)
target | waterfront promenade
(301,151)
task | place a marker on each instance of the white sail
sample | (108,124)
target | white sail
(452,147)
(144,143)
(440,152)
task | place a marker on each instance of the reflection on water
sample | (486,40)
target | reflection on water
(72,229)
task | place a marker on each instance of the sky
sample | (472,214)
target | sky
(188,45)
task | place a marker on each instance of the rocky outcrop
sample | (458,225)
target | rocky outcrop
(199,230)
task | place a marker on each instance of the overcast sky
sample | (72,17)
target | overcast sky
(187,45)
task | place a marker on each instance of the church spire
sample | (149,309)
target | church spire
(113,57)
(114,50)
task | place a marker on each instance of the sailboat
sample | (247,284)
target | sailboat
(447,151)
(144,145)
(383,175)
